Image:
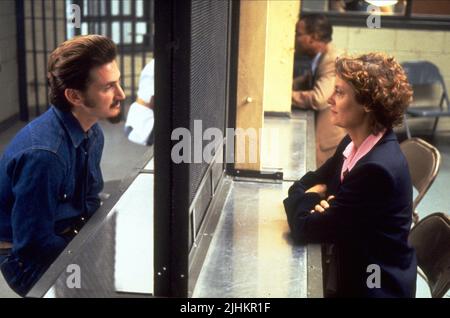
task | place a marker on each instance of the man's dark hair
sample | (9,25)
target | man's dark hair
(69,65)
(318,25)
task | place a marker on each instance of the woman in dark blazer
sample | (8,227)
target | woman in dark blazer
(360,200)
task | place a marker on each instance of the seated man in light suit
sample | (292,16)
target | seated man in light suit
(311,90)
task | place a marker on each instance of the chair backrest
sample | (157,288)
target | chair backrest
(424,161)
(431,240)
(422,72)
(425,73)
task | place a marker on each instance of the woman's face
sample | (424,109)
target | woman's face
(346,112)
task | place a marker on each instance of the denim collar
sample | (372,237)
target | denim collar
(73,127)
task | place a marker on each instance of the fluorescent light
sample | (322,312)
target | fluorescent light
(382,3)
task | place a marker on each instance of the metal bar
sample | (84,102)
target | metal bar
(44,36)
(232,79)
(65,20)
(152,26)
(163,127)
(180,117)
(108,19)
(145,36)
(55,26)
(36,88)
(21,60)
(228,76)
(122,58)
(88,13)
(99,17)
(133,50)
(272,175)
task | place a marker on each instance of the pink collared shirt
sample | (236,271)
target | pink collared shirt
(353,155)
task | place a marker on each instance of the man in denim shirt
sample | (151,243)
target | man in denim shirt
(50,173)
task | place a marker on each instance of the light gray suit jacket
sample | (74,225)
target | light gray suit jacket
(328,135)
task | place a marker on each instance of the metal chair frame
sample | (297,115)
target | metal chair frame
(424,161)
(426,73)
(431,240)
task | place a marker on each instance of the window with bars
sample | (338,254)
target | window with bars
(127,22)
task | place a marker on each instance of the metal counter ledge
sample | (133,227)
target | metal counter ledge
(251,253)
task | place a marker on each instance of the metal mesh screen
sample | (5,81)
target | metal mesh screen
(208,75)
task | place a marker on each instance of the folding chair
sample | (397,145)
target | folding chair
(425,73)
(431,240)
(424,161)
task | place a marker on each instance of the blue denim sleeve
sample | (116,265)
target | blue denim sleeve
(37,177)
(95,178)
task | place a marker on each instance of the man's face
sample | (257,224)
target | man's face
(103,95)
(303,42)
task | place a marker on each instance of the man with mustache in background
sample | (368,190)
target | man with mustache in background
(50,176)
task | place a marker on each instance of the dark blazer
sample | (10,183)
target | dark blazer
(369,221)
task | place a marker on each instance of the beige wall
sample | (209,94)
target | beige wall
(403,44)
(8,61)
(281,19)
(266,48)
(250,83)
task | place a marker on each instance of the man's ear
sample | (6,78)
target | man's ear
(367,109)
(73,96)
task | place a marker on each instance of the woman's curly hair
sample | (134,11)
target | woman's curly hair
(380,84)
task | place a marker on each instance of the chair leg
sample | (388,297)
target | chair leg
(405,122)
(435,126)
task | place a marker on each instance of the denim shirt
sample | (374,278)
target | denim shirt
(49,176)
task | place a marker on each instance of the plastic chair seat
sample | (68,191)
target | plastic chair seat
(431,240)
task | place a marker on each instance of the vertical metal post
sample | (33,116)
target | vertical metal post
(122,53)
(232,82)
(44,37)
(133,50)
(55,25)
(65,20)
(36,84)
(108,19)
(99,18)
(151,23)
(21,60)
(145,10)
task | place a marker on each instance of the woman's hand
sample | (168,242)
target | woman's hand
(324,204)
(320,189)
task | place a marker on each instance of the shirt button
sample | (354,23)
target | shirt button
(65,196)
